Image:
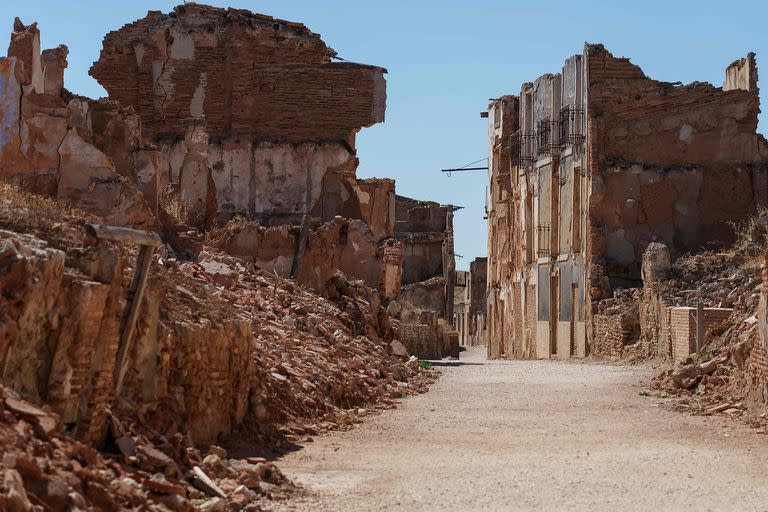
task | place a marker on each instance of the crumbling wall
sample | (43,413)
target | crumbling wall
(477,297)
(203,386)
(278,117)
(426,230)
(68,147)
(609,336)
(61,327)
(429,294)
(670,162)
(249,75)
(341,244)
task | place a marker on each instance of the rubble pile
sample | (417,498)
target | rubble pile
(190,264)
(623,299)
(714,279)
(46,470)
(727,374)
(279,363)
(315,359)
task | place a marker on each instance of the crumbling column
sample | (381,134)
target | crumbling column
(25,46)
(196,186)
(656,265)
(390,254)
(54,63)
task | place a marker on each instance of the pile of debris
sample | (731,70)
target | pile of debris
(279,364)
(623,300)
(44,469)
(728,373)
(714,279)
(317,362)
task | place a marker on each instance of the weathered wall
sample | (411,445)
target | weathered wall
(248,75)
(426,230)
(61,328)
(75,149)
(254,110)
(671,163)
(429,294)
(344,244)
(609,336)
(601,162)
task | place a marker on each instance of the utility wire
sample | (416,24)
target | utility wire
(472,163)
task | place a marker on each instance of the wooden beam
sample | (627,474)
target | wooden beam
(119,234)
(135,295)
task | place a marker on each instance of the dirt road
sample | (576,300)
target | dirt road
(534,435)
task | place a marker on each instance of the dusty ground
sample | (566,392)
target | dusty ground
(534,435)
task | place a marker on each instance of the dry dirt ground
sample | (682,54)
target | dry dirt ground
(533,435)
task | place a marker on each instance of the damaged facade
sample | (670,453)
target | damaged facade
(229,138)
(249,112)
(588,167)
(470,303)
(425,229)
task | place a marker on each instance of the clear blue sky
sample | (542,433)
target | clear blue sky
(446,58)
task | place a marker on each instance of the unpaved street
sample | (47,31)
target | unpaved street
(533,435)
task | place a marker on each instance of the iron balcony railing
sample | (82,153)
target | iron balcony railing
(571,126)
(546,131)
(544,239)
(521,148)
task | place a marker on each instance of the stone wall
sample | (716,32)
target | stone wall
(429,294)
(421,340)
(609,336)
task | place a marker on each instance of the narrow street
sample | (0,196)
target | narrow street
(533,435)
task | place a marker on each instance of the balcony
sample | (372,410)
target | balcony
(544,141)
(544,240)
(571,126)
(521,148)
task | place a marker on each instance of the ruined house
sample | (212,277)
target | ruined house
(588,167)
(269,138)
(460,304)
(250,113)
(470,303)
(426,230)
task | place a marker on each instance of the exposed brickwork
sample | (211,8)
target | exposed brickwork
(247,74)
(682,328)
(590,165)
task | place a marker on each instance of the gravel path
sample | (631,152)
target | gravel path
(533,435)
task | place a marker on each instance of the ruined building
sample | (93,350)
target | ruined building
(228,138)
(249,112)
(426,230)
(588,167)
(470,303)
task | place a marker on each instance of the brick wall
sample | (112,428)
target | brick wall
(247,74)
(691,149)
(682,328)
(421,340)
(608,336)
